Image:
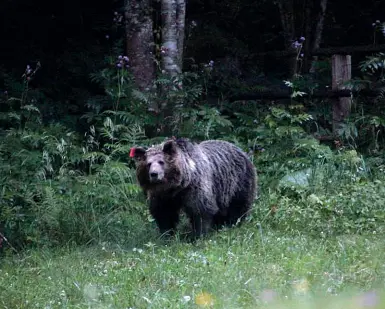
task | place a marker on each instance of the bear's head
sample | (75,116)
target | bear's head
(158,165)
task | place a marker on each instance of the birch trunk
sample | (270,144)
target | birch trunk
(181,21)
(140,41)
(173,26)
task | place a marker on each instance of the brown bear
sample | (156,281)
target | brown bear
(213,182)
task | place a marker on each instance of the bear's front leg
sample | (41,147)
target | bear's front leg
(200,225)
(166,215)
(201,211)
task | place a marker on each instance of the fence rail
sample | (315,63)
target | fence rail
(329,51)
(286,94)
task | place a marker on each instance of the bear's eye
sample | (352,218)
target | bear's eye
(148,164)
(160,162)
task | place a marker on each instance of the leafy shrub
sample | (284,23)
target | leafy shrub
(58,187)
(201,123)
(350,208)
(55,191)
(365,127)
(305,185)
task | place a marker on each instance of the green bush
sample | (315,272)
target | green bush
(354,208)
(307,186)
(58,192)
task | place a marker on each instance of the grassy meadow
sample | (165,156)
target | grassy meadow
(243,267)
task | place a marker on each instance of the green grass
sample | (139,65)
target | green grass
(241,267)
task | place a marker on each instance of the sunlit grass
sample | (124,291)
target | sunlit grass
(236,268)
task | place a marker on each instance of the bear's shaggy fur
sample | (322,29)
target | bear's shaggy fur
(213,182)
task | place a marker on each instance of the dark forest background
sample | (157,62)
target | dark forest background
(69,40)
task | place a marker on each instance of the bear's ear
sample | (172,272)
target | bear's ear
(138,153)
(170,148)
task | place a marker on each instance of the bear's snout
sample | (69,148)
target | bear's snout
(156,173)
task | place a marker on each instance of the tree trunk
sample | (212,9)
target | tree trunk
(286,10)
(318,31)
(140,41)
(173,25)
(308,24)
(320,25)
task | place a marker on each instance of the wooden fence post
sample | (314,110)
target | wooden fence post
(341,72)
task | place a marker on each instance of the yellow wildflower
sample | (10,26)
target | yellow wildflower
(301,286)
(204,299)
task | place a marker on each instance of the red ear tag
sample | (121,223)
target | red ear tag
(132,152)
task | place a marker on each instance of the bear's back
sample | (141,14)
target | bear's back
(228,168)
(222,150)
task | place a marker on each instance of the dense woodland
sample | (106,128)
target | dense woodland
(82,82)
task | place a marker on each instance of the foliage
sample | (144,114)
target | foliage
(311,196)
(55,190)
(364,129)
(60,186)
(282,135)
(374,64)
(200,123)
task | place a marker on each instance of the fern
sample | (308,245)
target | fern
(373,63)
(31,108)
(141,96)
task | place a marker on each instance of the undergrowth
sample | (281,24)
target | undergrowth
(60,187)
